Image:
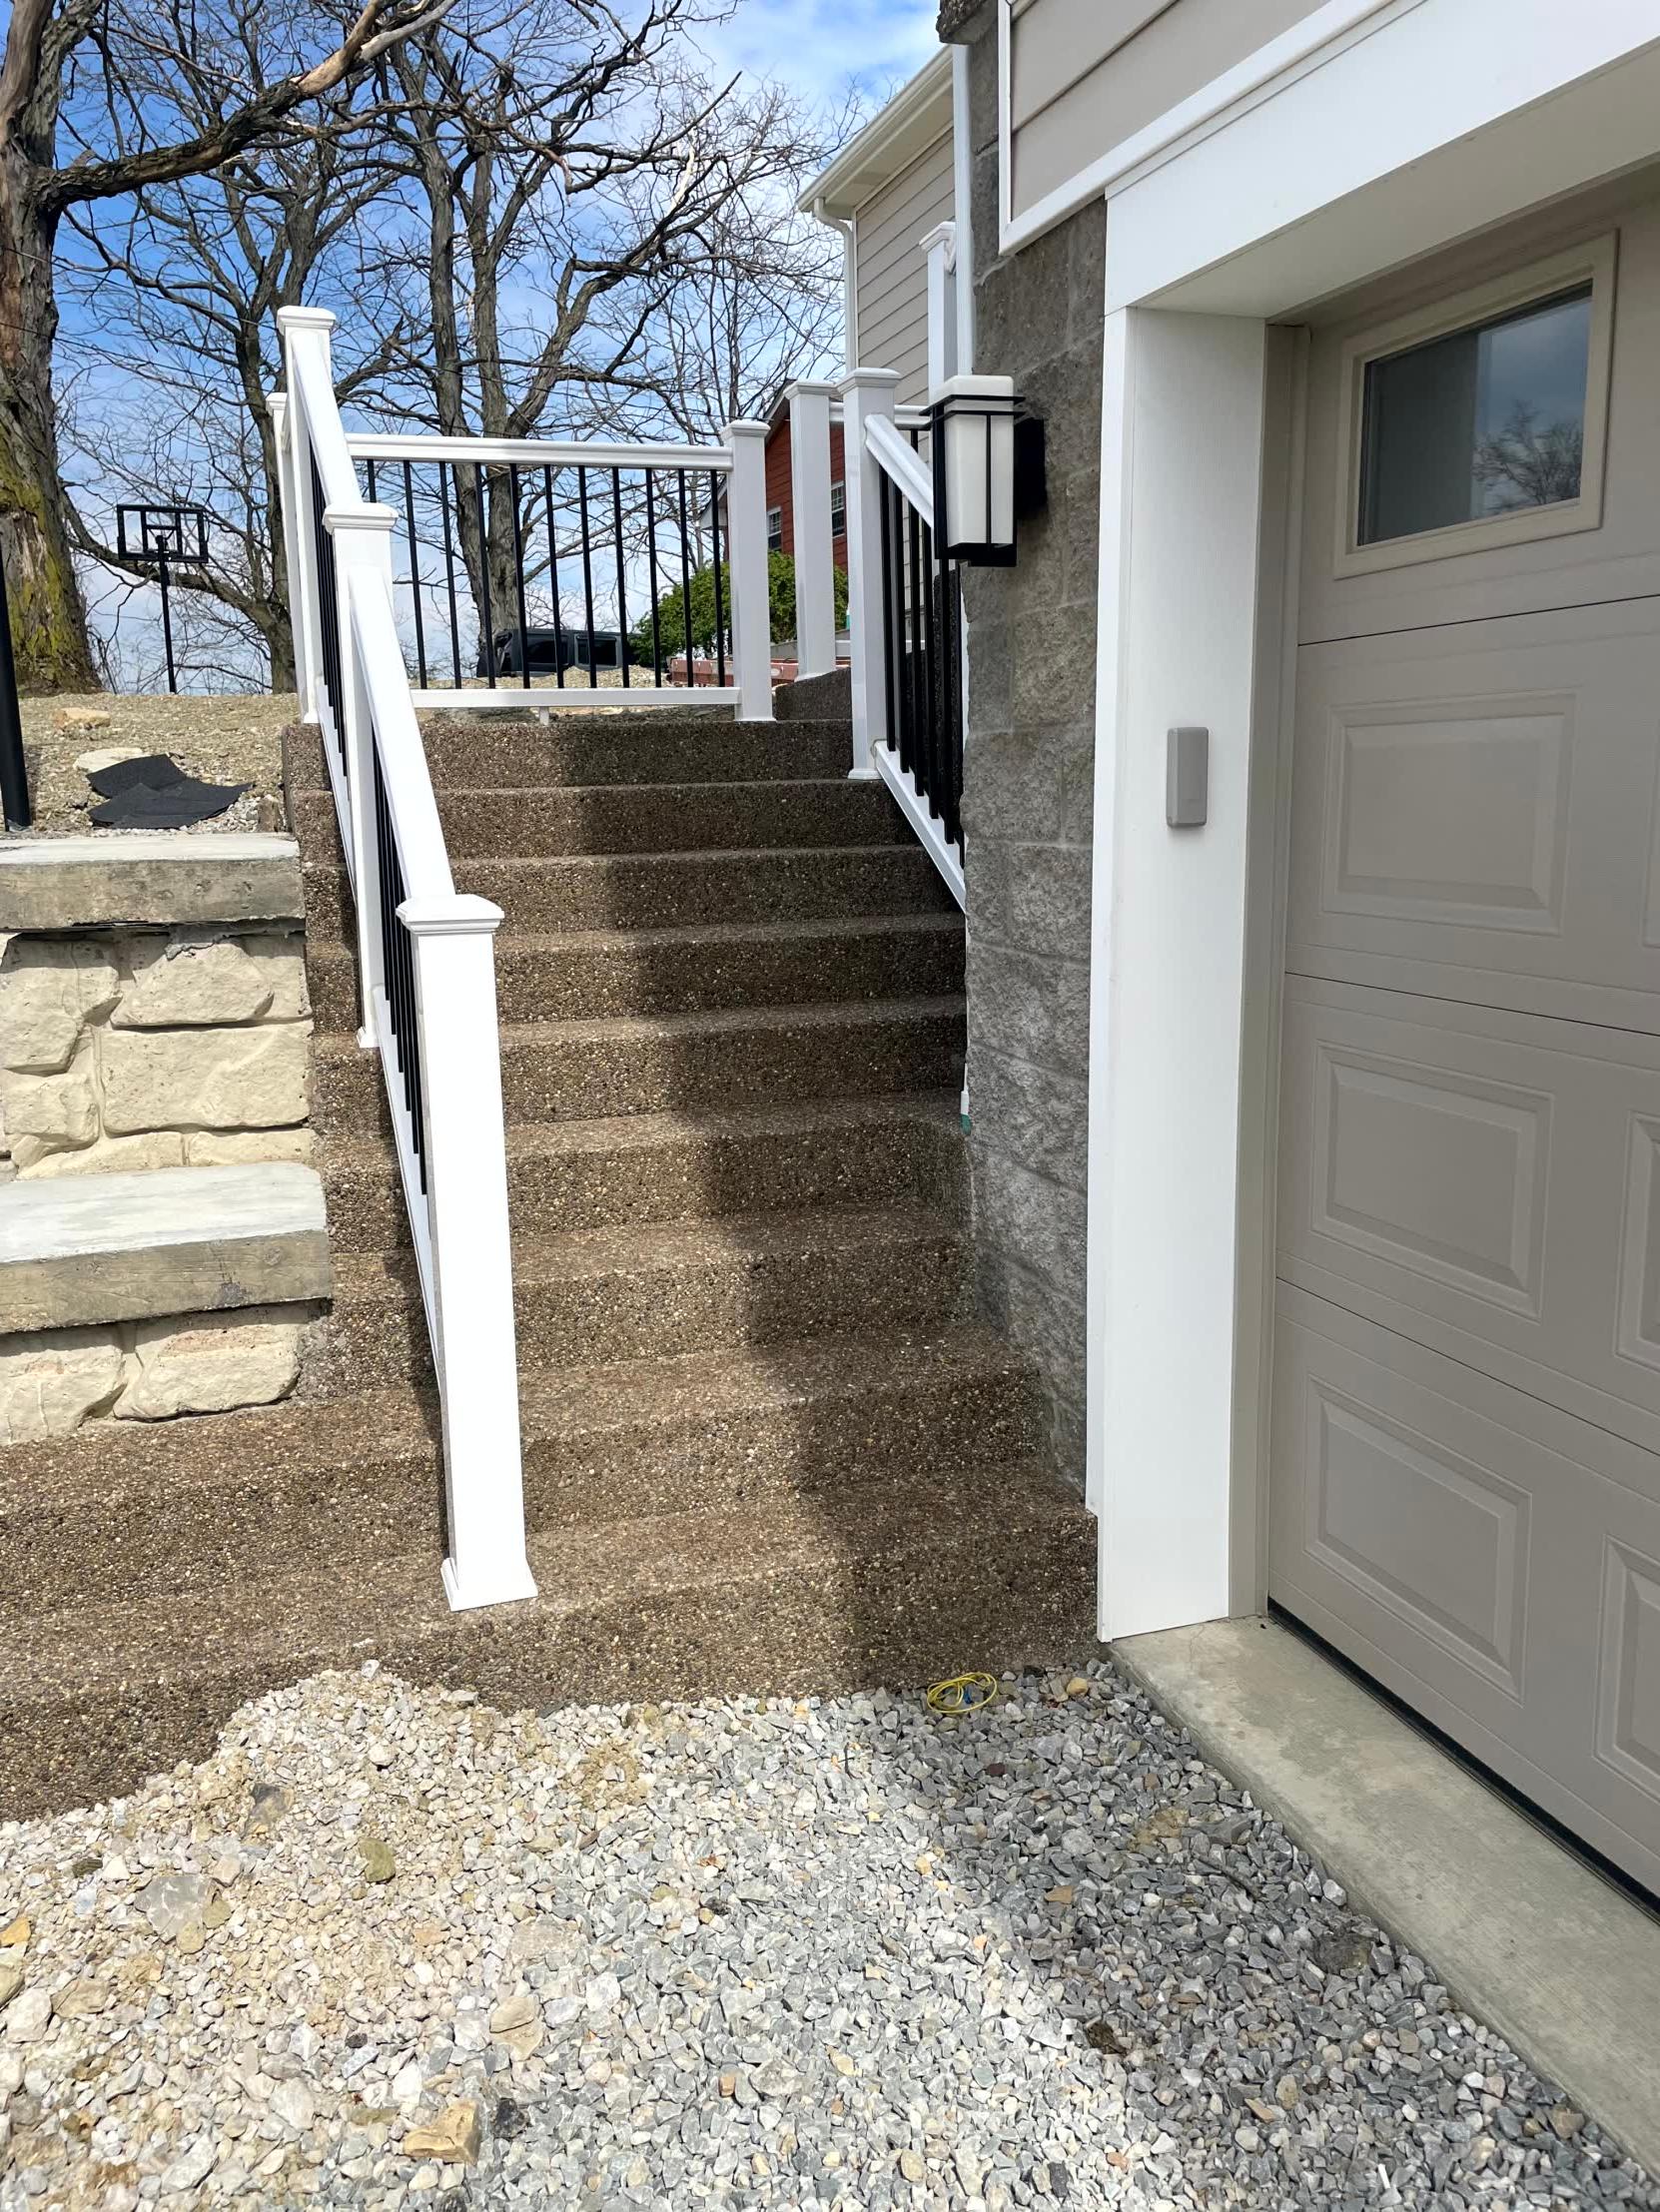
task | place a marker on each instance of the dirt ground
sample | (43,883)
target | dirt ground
(221,738)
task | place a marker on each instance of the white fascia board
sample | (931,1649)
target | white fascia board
(1417,134)
(917,117)
(1323,31)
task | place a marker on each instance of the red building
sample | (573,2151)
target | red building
(780,500)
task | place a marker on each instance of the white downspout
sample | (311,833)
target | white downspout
(850,286)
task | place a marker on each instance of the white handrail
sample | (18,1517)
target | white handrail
(908,470)
(533,452)
(427,974)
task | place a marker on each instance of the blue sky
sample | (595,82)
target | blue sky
(818,46)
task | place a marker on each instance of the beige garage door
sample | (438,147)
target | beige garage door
(1465,1481)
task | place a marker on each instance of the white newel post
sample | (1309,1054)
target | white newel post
(940,246)
(466,1210)
(363,558)
(746,564)
(815,574)
(282,434)
(305,338)
(866,394)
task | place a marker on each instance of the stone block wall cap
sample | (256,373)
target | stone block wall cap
(460,914)
(956,19)
(139,1212)
(181,848)
(149,878)
(304,318)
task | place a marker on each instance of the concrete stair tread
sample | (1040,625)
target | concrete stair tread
(252,1450)
(566,1404)
(273,1628)
(502,751)
(633,1249)
(826,929)
(645,1132)
(714,1020)
(77,1249)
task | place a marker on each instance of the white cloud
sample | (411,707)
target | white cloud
(821,47)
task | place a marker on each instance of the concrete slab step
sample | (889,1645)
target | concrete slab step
(495,751)
(654,1289)
(544,976)
(811,1595)
(77,1249)
(679,1063)
(644,818)
(300,1485)
(566,1175)
(685,890)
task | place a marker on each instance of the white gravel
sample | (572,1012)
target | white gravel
(390,1947)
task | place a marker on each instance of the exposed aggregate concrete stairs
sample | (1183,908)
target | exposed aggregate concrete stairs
(767,1446)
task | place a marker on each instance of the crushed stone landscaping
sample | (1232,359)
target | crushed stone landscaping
(390,1947)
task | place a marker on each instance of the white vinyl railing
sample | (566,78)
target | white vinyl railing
(425,967)
(902,601)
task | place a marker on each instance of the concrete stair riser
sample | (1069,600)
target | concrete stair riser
(658,1293)
(771,1601)
(580,1071)
(657,890)
(492,752)
(657,1437)
(667,1167)
(587,975)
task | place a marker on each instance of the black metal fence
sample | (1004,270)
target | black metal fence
(397,969)
(534,552)
(15,803)
(922,609)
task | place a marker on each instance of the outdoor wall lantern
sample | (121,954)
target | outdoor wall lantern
(989,459)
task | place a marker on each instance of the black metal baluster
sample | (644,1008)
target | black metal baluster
(622,600)
(328,617)
(651,556)
(484,574)
(931,730)
(685,581)
(553,581)
(720,616)
(519,575)
(371,467)
(914,544)
(449,569)
(893,629)
(414,571)
(587,574)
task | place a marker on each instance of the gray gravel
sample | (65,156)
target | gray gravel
(389,1948)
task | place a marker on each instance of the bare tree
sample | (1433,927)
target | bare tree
(180,286)
(90,71)
(576,169)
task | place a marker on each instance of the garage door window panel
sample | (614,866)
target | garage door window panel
(1480,421)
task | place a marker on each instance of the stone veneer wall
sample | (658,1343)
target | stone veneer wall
(1029,791)
(142,1049)
(166,1047)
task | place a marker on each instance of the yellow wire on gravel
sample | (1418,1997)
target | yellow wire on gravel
(962,1694)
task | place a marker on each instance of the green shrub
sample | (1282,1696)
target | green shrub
(671,617)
